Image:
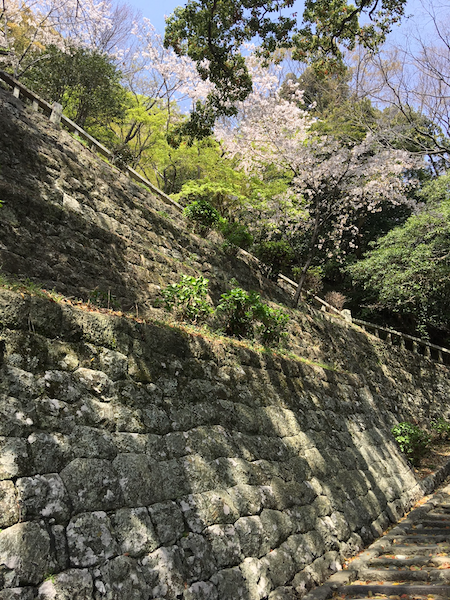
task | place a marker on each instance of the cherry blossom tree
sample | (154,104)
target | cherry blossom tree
(212,33)
(27,27)
(158,80)
(333,186)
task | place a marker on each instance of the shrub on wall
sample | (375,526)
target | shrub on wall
(244,315)
(411,440)
(202,215)
(188,299)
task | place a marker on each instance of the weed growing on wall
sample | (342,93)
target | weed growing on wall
(188,299)
(202,215)
(244,315)
(103,299)
(442,428)
(241,314)
(411,440)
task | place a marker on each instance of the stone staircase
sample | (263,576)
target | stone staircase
(412,561)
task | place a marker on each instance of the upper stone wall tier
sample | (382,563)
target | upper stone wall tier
(76,224)
(139,462)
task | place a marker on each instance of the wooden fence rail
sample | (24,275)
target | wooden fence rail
(54,112)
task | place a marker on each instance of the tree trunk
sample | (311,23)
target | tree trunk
(311,252)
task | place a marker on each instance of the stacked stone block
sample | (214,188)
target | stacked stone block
(138,462)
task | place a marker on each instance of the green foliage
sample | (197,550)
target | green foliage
(222,195)
(273,323)
(212,33)
(244,312)
(123,155)
(202,214)
(236,234)
(86,83)
(411,440)
(313,281)
(237,305)
(442,428)
(188,299)
(277,255)
(408,271)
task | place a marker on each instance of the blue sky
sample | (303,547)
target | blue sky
(155,10)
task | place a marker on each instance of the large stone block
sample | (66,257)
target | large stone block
(140,478)
(24,554)
(199,557)
(73,584)
(231,584)
(134,531)
(9,508)
(256,578)
(252,536)
(166,572)
(94,382)
(92,484)
(23,593)
(14,459)
(50,452)
(90,539)
(168,521)
(122,578)
(202,510)
(43,496)
(17,417)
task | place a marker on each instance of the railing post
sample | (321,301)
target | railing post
(35,105)
(427,352)
(376,333)
(389,338)
(56,115)
(440,358)
(402,342)
(16,92)
(415,348)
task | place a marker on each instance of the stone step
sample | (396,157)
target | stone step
(361,590)
(433,521)
(416,530)
(422,538)
(402,560)
(404,575)
(414,549)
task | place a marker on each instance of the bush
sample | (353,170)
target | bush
(336,299)
(273,323)
(278,256)
(237,306)
(442,428)
(244,312)
(188,299)
(236,234)
(202,214)
(411,440)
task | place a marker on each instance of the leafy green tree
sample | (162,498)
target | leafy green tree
(86,83)
(212,32)
(408,270)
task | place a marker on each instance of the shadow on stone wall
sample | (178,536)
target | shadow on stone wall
(140,462)
(73,223)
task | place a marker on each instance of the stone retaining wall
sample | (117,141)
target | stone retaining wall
(139,461)
(72,223)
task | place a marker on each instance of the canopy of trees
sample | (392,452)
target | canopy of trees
(328,160)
